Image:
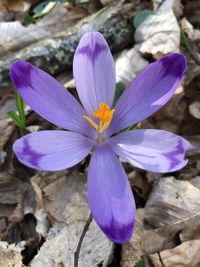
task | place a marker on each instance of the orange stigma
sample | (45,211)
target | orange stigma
(104,114)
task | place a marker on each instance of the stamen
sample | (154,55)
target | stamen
(91,122)
(104,114)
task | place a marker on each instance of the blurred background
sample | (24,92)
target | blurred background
(41,213)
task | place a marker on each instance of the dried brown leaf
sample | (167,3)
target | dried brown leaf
(66,203)
(181,194)
(10,256)
(166,237)
(172,208)
(128,64)
(159,34)
(184,255)
(11,194)
(171,201)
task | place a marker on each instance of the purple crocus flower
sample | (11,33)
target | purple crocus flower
(96,126)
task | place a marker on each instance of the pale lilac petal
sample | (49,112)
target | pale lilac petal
(148,92)
(52,150)
(94,72)
(152,150)
(110,197)
(48,98)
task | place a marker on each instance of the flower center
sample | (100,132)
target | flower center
(104,114)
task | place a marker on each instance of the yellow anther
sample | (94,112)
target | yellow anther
(104,114)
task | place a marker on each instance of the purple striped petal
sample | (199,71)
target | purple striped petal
(110,197)
(148,92)
(52,150)
(152,150)
(94,72)
(48,98)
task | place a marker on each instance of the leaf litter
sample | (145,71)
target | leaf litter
(53,207)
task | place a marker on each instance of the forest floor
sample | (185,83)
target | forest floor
(42,214)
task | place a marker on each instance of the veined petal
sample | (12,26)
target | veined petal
(52,150)
(148,92)
(110,197)
(94,72)
(152,150)
(48,98)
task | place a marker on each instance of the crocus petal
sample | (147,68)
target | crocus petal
(48,98)
(148,92)
(152,150)
(52,150)
(110,197)
(94,72)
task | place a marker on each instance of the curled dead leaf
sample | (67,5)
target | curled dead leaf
(184,255)
(159,34)
(128,64)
